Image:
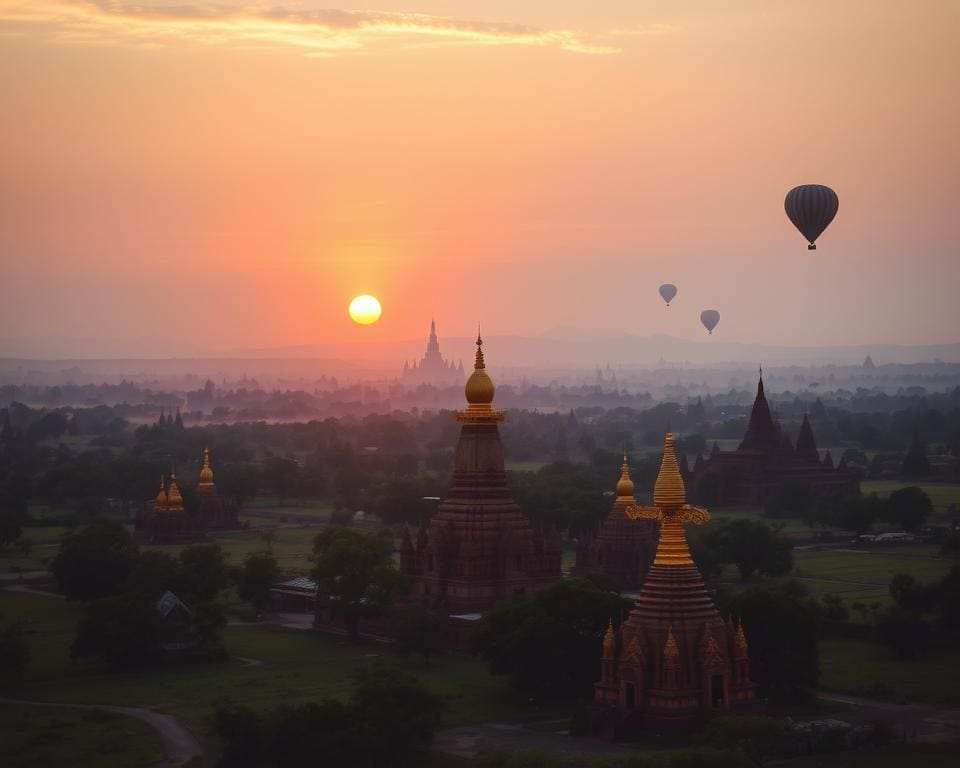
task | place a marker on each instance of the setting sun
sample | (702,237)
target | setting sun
(365,309)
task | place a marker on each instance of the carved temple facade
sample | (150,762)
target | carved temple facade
(478,547)
(674,660)
(621,548)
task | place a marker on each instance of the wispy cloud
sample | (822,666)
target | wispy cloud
(315,32)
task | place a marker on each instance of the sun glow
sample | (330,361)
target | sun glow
(365,309)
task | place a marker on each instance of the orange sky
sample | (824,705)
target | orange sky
(231,176)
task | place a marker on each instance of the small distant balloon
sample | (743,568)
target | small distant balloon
(811,208)
(667,292)
(710,318)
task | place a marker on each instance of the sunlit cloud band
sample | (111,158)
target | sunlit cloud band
(316,32)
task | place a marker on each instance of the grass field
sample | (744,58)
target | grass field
(38,737)
(296,666)
(872,670)
(864,575)
(941,494)
(915,755)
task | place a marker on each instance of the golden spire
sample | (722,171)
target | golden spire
(625,484)
(174,499)
(671,651)
(669,491)
(671,510)
(162,500)
(479,393)
(206,474)
(609,640)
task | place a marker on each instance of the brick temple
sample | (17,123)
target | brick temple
(478,547)
(621,548)
(674,660)
(764,462)
(166,521)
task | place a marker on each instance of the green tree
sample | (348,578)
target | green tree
(396,716)
(282,473)
(208,622)
(388,723)
(418,630)
(258,574)
(203,573)
(549,644)
(754,547)
(154,573)
(904,632)
(357,572)
(782,629)
(909,507)
(123,630)
(757,737)
(14,652)
(94,561)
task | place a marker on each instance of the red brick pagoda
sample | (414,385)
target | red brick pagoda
(214,513)
(622,548)
(478,547)
(165,521)
(764,462)
(675,659)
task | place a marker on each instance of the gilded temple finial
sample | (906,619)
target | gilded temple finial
(206,473)
(625,483)
(479,392)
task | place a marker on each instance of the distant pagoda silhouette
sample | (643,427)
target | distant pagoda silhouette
(432,368)
(478,547)
(675,659)
(764,462)
(621,548)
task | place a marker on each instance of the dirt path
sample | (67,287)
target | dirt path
(179,744)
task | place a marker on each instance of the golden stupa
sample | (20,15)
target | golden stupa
(479,392)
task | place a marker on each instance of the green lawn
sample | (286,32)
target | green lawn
(291,546)
(864,575)
(914,755)
(297,666)
(941,494)
(37,737)
(792,527)
(871,670)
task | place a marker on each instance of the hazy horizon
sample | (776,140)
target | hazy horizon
(229,178)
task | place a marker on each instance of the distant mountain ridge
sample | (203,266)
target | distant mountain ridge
(564,347)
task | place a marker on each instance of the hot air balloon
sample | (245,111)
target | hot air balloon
(710,318)
(811,208)
(667,292)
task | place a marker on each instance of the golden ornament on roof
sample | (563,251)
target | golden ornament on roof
(206,474)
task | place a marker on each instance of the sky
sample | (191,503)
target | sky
(224,176)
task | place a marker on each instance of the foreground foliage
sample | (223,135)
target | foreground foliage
(389,722)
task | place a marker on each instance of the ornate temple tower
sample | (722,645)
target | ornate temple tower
(213,513)
(166,522)
(674,659)
(478,547)
(622,548)
(764,461)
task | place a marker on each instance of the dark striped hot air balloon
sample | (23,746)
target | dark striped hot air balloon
(667,292)
(811,208)
(710,318)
